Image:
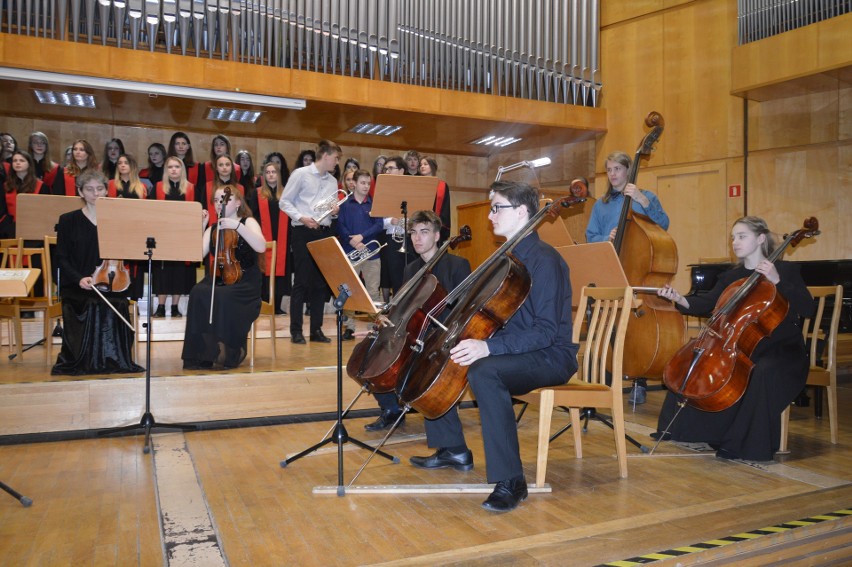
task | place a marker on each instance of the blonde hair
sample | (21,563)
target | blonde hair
(758,226)
(618,157)
(136,184)
(183,183)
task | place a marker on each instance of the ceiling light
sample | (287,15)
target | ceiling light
(498,141)
(60,98)
(150,88)
(233,115)
(374,129)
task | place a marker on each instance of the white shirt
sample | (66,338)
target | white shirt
(305,188)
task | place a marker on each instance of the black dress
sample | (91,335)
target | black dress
(751,428)
(94,340)
(173,277)
(235,307)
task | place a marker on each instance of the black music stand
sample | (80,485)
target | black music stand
(123,226)
(339,274)
(36,218)
(17,283)
(594,264)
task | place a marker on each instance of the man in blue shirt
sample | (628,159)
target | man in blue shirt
(533,350)
(357,230)
(606,211)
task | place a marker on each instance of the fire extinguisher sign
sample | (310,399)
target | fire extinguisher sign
(735,190)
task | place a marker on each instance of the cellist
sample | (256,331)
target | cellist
(751,428)
(533,350)
(425,230)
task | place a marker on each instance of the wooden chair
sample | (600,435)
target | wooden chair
(267,308)
(54,304)
(823,369)
(44,302)
(604,313)
(10,257)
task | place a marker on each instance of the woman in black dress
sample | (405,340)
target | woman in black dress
(172,277)
(82,159)
(274,224)
(235,306)
(95,340)
(45,168)
(156,164)
(751,428)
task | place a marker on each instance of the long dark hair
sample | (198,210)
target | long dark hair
(28,183)
(188,159)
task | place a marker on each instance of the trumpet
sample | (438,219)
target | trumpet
(324,207)
(358,257)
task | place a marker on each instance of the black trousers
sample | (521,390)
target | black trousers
(494,380)
(308,283)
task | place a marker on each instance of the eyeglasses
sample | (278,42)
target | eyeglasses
(496,208)
(97,189)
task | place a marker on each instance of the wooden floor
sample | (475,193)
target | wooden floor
(220,497)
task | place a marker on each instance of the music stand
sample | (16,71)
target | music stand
(36,218)
(17,282)
(130,229)
(339,274)
(594,264)
(396,195)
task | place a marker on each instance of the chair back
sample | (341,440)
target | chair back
(271,258)
(603,314)
(824,358)
(10,253)
(50,290)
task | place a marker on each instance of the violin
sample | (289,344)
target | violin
(711,372)
(226,262)
(111,276)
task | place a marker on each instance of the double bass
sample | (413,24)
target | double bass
(376,361)
(711,372)
(484,302)
(649,257)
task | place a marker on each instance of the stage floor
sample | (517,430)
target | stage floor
(220,496)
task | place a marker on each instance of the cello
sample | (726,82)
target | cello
(712,371)
(648,255)
(376,361)
(484,302)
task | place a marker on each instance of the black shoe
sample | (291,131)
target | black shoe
(279,311)
(348,335)
(161,311)
(297,338)
(175,311)
(507,495)
(385,421)
(443,459)
(319,337)
(657,434)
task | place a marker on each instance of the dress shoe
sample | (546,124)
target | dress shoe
(175,311)
(297,338)
(279,311)
(161,311)
(348,335)
(385,421)
(319,337)
(443,459)
(507,495)
(658,434)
